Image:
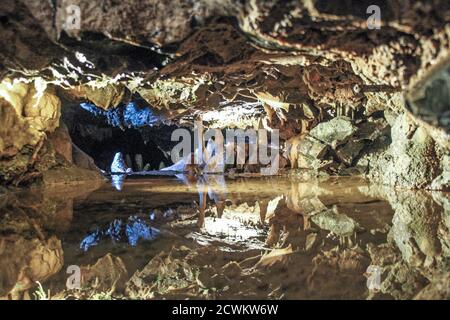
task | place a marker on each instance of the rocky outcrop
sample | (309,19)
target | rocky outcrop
(61,142)
(34,145)
(314,68)
(29,112)
(412,160)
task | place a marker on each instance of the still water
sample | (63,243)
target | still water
(211,237)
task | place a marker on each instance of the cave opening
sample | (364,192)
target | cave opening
(130,129)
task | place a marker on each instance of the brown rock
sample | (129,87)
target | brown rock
(62,142)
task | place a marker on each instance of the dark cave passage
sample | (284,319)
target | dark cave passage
(101,139)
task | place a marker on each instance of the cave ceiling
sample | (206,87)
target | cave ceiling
(298,60)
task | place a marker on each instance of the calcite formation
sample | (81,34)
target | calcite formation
(320,71)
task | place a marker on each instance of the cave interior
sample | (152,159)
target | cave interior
(346,197)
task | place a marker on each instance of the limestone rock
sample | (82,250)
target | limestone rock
(106,97)
(438,289)
(442,182)
(334,132)
(312,147)
(371,130)
(411,161)
(82,160)
(34,101)
(15,132)
(62,142)
(348,153)
(30,111)
(429,98)
(70,175)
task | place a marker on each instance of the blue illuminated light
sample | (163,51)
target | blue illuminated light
(124,116)
(135,230)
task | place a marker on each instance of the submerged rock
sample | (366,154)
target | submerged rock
(165,272)
(341,269)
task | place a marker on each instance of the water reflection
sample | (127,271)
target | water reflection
(245,238)
(117,181)
(117,231)
(31,227)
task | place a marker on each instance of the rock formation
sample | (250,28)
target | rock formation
(350,95)
(320,72)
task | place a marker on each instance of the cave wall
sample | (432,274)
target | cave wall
(305,63)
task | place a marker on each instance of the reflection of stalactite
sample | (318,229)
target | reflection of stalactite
(306,222)
(220,205)
(263,204)
(201,211)
(274,235)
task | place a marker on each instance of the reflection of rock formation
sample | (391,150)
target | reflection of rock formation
(415,225)
(100,280)
(30,222)
(136,229)
(339,268)
(106,275)
(339,224)
(282,239)
(25,261)
(417,250)
(117,181)
(212,186)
